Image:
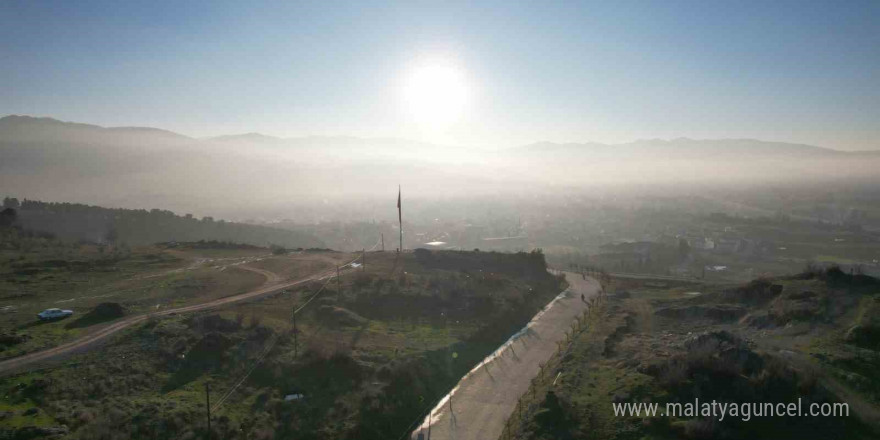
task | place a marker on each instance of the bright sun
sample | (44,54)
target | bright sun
(435,94)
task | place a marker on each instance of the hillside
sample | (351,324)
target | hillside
(810,337)
(76,222)
(370,354)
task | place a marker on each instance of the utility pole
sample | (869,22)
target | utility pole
(383,242)
(295,341)
(208,407)
(400,218)
(338,283)
(364,260)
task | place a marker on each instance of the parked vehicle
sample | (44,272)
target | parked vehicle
(50,314)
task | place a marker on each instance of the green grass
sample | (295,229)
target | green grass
(359,379)
(18,419)
(140,281)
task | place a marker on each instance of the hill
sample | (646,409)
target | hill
(78,222)
(809,338)
(685,148)
(369,356)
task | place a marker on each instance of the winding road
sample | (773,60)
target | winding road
(273,284)
(484,398)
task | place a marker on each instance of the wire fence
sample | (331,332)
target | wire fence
(551,371)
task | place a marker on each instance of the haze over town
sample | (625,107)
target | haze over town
(332,220)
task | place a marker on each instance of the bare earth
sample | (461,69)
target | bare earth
(485,398)
(271,285)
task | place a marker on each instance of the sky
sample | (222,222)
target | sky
(482,74)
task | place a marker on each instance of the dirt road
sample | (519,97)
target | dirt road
(484,399)
(271,285)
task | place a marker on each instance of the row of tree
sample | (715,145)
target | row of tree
(76,222)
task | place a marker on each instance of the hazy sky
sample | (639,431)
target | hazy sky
(471,73)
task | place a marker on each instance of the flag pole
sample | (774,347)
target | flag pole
(400,217)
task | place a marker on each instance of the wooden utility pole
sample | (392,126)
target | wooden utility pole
(383,242)
(338,283)
(364,260)
(295,340)
(208,407)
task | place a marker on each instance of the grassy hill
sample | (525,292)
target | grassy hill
(78,222)
(810,337)
(370,354)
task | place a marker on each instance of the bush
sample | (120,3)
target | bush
(101,313)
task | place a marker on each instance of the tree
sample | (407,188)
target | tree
(8,217)
(11,202)
(111,235)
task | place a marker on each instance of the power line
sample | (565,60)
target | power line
(275,338)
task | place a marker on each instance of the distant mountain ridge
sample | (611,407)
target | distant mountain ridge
(244,137)
(12,123)
(682,146)
(244,175)
(22,124)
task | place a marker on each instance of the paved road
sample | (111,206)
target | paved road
(271,285)
(485,398)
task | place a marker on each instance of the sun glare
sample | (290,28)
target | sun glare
(435,95)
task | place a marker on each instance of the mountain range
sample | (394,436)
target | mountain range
(16,127)
(133,167)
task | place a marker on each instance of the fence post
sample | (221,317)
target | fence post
(208,407)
